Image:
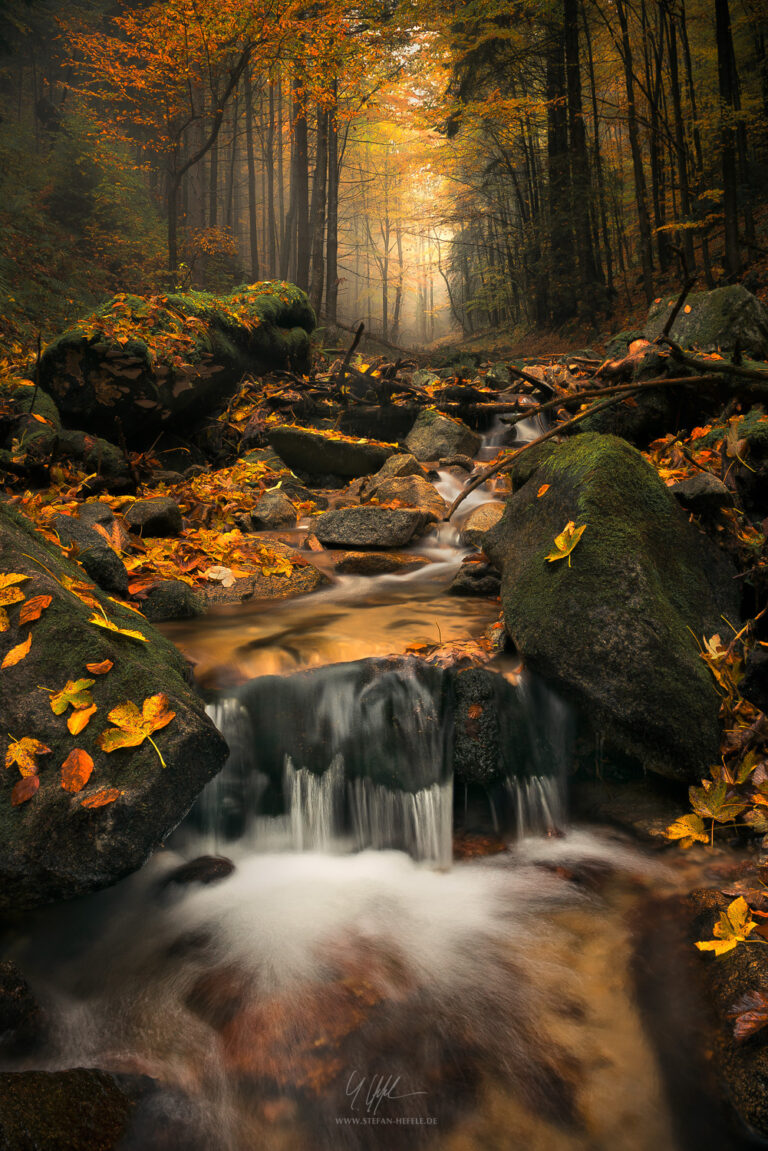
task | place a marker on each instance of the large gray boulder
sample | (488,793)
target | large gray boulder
(617,629)
(368,527)
(435,436)
(51,846)
(714,321)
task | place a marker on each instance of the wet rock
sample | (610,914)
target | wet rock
(715,321)
(476,577)
(274,510)
(80,1110)
(94,454)
(642,806)
(206,869)
(411,491)
(173,599)
(158,517)
(466,463)
(403,464)
(102,519)
(702,494)
(479,521)
(743,1066)
(501,732)
(100,561)
(299,494)
(319,453)
(614,630)
(378,563)
(22,1022)
(368,527)
(51,847)
(285,572)
(435,435)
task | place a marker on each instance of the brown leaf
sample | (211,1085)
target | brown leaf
(18,653)
(100,668)
(101,798)
(475,710)
(749,1014)
(34,608)
(76,770)
(24,789)
(79,720)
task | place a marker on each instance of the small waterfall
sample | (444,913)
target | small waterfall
(539,805)
(362,755)
(315,804)
(420,822)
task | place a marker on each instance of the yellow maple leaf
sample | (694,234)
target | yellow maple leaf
(565,542)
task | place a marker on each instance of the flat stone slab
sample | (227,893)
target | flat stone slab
(323,453)
(368,527)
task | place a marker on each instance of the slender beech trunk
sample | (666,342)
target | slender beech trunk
(317,211)
(732,259)
(641,196)
(253,220)
(332,248)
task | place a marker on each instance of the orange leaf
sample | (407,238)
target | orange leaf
(100,668)
(542,491)
(24,789)
(79,720)
(475,710)
(34,608)
(18,653)
(76,770)
(101,798)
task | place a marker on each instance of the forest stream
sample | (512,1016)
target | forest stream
(305,966)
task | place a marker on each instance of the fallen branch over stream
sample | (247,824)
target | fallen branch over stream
(618,393)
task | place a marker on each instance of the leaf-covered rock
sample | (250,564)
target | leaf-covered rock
(319,452)
(141,361)
(617,630)
(51,847)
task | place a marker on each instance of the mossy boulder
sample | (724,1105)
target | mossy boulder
(714,321)
(51,847)
(142,361)
(317,452)
(616,629)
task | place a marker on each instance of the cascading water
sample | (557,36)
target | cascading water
(362,755)
(335,985)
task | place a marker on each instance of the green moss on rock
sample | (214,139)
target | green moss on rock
(616,629)
(51,847)
(142,360)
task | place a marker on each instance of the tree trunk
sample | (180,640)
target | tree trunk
(332,273)
(253,222)
(580,183)
(732,259)
(300,184)
(641,198)
(317,212)
(562,290)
